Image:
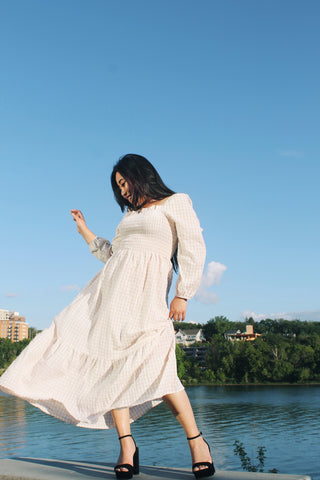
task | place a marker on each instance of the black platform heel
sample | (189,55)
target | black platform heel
(131,469)
(204,472)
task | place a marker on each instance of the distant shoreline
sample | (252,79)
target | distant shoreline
(277,384)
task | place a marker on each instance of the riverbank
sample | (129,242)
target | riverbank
(189,385)
(269,384)
(284,384)
(47,469)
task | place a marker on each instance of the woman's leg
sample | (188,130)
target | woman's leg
(127,445)
(180,406)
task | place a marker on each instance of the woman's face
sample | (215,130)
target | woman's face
(124,187)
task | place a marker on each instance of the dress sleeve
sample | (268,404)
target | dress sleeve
(191,246)
(101,248)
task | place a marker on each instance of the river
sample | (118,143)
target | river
(283,419)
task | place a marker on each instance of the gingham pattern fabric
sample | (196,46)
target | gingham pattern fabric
(114,345)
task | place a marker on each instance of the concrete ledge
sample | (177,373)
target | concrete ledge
(20,468)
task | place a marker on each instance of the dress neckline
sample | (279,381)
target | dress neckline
(162,202)
(156,205)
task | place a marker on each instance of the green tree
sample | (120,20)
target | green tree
(186,326)
(219,358)
(180,356)
(32,332)
(10,350)
(222,324)
(7,354)
(210,329)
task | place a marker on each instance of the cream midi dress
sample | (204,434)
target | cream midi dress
(114,345)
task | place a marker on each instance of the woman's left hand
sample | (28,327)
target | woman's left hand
(178,309)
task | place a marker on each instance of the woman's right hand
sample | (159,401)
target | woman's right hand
(79,219)
(82,226)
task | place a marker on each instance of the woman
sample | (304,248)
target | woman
(109,356)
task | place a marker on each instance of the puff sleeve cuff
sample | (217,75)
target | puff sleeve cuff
(101,248)
(191,246)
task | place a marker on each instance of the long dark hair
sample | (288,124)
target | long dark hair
(144,182)
(143,179)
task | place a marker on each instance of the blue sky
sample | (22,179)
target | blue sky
(221,96)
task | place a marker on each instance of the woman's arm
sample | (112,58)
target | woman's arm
(99,247)
(82,226)
(191,252)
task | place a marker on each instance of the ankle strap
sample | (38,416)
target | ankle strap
(193,438)
(124,436)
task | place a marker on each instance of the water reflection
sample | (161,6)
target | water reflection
(283,419)
(12,420)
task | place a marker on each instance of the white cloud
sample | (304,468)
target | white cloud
(70,288)
(262,316)
(206,297)
(11,295)
(312,315)
(211,276)
(291,153)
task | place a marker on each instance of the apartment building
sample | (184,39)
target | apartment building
(13,326)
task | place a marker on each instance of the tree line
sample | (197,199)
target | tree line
(10,350)
(288,351)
